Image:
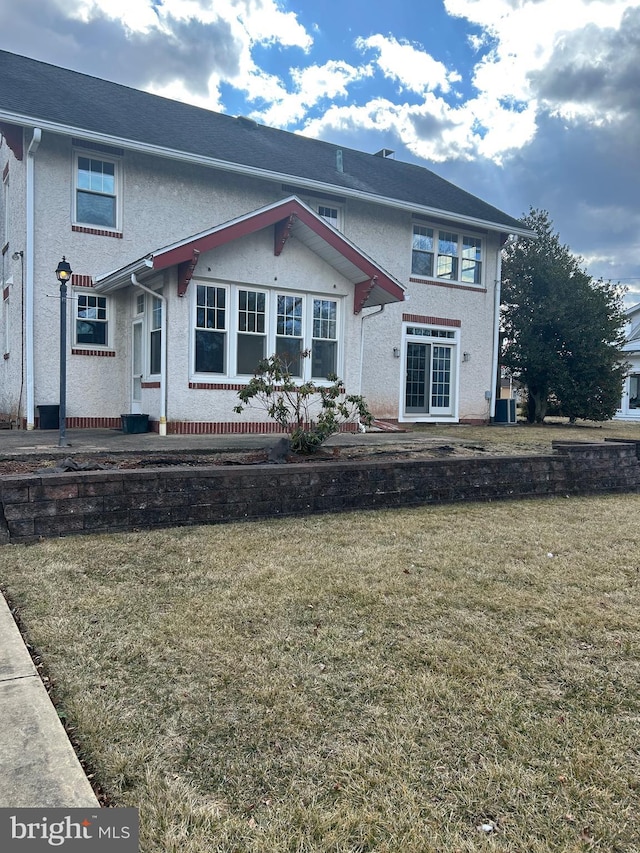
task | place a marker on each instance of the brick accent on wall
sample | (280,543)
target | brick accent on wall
(49,505)
(435,283)
(107,353)
(435,321)
(99,232)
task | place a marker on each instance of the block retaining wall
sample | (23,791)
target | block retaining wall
(49,505)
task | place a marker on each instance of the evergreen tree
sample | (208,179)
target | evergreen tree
(562,330)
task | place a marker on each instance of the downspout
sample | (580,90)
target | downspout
(162,430)
(496,334)
(29,278)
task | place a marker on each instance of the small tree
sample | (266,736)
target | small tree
(562,330)
(310,413)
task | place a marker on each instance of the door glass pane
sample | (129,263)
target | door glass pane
(416,387)
(441,378)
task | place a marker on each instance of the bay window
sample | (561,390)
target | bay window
(265,323)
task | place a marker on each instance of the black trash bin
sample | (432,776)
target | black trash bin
(49,417)
(133,424)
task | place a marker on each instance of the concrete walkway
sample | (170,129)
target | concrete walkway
(38,766)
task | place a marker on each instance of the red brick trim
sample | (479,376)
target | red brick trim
(99,352)
(216,386)
(227,428)
(99,232)
(149,384)
(431,321)
(448,284)
(87,423)
(81,280)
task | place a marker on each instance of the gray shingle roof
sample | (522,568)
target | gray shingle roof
(41,92)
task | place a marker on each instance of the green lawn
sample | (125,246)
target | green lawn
(386,681)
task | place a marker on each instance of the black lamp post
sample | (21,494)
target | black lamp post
(63,274)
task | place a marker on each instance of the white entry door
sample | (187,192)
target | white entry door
(136,368)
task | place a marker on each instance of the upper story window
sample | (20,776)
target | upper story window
(447,255)
(96,191)
(330,214)
(91,321)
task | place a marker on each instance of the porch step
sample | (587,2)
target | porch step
(386,426)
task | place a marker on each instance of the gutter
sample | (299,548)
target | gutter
(163,353)
(29,277)
(267,174)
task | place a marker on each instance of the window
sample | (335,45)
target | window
(324,345)
(447,255)
(265,322)
(91,320)
(155,336)
(471,260)
(331,214)
(96,192)
(210,338)
(252,327)
(289,343)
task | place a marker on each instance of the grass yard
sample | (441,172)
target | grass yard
(449,678)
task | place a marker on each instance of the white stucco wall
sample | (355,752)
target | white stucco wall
(163,202)
(13,271)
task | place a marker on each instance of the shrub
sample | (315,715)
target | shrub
(310,413)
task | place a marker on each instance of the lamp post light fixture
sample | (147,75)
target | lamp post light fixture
(63,274)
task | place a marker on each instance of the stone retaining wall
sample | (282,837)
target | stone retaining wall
(41,506)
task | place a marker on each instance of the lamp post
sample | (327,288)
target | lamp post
(63,274)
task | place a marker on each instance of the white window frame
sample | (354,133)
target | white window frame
(117,189)
(232,330)
(80,293)
(464,250)
(155,305)
(433,335)
(323,207)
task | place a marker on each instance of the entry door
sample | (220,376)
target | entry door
(136,367)
(428,383)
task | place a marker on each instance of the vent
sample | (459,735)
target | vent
(245,121)
(386,153)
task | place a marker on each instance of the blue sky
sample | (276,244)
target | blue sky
(525,103)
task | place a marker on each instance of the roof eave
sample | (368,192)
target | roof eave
(254,171)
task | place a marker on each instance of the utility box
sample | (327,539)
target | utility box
(505,412)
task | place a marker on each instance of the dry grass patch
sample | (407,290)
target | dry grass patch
(386,681)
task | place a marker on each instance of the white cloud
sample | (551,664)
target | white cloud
(311,85)
(413,69)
